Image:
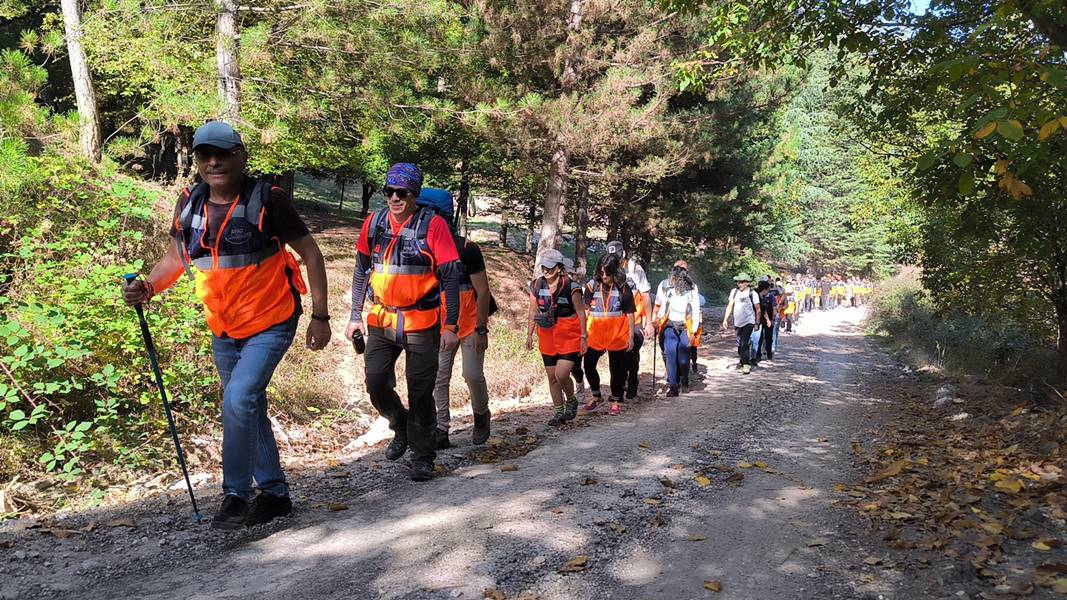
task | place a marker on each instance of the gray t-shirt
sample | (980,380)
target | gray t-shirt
(744,307)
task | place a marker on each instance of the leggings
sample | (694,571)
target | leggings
(634,362)
(618,361)
(744,343)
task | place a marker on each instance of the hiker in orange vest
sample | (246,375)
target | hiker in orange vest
(232,230)
(557,312)
(610,329)
(408,255)
(475,305)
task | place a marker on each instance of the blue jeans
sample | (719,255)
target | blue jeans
(676,354)
(248,448)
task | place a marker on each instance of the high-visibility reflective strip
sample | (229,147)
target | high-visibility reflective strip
(390,269)
(236,261)
(198,222)
(610,313)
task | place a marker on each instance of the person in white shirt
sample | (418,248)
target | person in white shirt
(678,313)
(745,307)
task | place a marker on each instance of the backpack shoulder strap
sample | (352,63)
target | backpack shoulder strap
(255,208)
(377,227)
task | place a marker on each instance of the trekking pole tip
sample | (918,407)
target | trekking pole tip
(197,518)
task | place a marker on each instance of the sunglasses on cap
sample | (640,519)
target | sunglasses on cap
(400,192)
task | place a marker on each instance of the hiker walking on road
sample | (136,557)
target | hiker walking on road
(234,230)
(744,307)
(409,257)
(610,329)
(577,373)
(767,301)
(678,316)
(643,322)
(558,314)
(475,301)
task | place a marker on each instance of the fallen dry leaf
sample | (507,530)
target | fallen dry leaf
(575,565)
(651,502)
(644,445)
(589,481)
(818,542)
(508,468)
(735,479)
(493,595)
(744,465)
(666,482)
(557,510)
(616,528)
(872,560)
(702,481)
(1060,586)
(677,466)
(695,538)
(123,522)
(840,487)
(337,506)
(713,586)
(760,464)
(892,470)
(656,520)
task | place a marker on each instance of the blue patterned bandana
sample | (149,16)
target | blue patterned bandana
(405,175)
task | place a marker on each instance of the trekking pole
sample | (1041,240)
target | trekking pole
(655,343)
(151,348)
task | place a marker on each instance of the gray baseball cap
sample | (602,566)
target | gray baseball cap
(217,134)
(568,264)
(616,248)
(551,259)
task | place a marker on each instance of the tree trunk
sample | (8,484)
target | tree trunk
(88,117)
(504,229)
(341,199)
(462,202)
(557,171)
(613,220)
(581,229)
(368,191)
(557,186)
(226,59)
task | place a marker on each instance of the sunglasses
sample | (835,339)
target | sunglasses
(400,192)
(205,154)
(545,269)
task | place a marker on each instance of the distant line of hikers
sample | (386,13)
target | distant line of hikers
(430,298)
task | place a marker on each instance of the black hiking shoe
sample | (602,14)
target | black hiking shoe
(672,392)
(557,418)
(571,410)
(421,470)
(480,432)
(631,389)
(440,439)
(267,507)
(396,448)
(685,386)
(231,515)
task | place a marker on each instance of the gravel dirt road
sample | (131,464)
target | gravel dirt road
(729,487)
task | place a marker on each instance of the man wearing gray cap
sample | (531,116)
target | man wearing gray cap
(232,231)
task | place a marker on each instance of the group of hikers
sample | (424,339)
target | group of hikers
(430,298)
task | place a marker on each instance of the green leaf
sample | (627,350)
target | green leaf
(926,161)
(83,426)
(47,457)
(1010,129)
(966,185)
(20,426)
(962,159)
(17,415)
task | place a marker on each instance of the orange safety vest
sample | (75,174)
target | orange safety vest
(608,327)
(468,299)
(565,336)
(403,278)
(247,281)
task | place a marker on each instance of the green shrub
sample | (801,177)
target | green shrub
(75,384)
(990,344)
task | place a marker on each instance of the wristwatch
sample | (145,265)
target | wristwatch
(323,318)
(481,330)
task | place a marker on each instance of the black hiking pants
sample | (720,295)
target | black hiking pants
(633,364)
(416,423)
(618,360)
(744,343)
